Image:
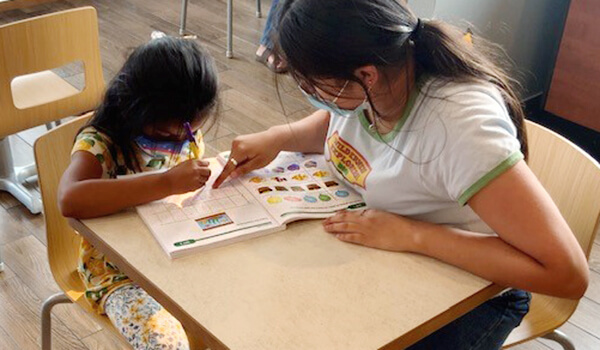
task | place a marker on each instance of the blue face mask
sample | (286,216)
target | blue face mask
(331,107)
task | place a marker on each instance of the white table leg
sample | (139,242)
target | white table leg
(11,179)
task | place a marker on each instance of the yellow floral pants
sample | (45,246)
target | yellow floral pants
(143,321)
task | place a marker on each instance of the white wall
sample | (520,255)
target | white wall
(529,30)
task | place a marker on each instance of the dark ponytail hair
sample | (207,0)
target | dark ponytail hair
(165,80)
(332,38)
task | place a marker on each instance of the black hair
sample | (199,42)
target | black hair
(323,39)
(165,80)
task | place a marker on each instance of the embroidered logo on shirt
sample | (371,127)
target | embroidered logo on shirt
(348,161)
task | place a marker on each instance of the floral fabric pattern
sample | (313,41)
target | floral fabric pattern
(143,321)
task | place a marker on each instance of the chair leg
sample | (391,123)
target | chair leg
(1,262)
(258,11)
(182,24)
(560,338)
(59,298)
(229,52)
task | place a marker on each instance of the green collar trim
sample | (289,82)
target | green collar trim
(392,134)
(513,159)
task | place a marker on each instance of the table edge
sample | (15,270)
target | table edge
(439,321)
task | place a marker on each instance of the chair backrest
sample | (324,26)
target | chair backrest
(52,157)
(571,177)
(29,49)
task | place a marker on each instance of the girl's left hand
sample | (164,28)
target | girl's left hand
(373,228)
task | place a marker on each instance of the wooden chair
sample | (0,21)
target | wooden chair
(572,178)
(52,155)
(31,94)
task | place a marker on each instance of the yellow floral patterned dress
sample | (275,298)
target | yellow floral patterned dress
(99,275)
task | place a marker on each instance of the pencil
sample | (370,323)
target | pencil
(194,149)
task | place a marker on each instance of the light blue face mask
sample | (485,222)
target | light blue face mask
(331,107)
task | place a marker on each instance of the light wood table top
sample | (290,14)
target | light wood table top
(296,289)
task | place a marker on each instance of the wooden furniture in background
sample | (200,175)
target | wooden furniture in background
(572,178)
(574,92)
(30,48)
(31,94)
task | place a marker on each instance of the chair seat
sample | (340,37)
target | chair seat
(545,314)
(27,92)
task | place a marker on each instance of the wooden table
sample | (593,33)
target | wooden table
(296,289)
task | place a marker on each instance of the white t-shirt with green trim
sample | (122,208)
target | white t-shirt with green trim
(453,139)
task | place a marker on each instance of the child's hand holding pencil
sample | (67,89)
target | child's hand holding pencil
(189,175)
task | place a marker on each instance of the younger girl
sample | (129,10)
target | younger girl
(139,127)
(430,132)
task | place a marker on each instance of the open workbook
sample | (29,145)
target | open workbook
(293,187)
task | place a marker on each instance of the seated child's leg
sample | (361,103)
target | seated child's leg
(143,321)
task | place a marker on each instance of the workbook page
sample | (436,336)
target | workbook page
(298,186)
(206,217)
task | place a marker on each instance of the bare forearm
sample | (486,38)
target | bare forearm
(489,257)
(306,135)
(98,197)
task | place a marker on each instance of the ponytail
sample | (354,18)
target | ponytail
(441,51)
(332,38)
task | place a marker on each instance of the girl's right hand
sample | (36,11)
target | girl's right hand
(187,176)
(251,152)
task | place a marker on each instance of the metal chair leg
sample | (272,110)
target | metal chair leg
(1,262)
(229,52)
(258,11)
(182,24)
(560,338)
(59,298)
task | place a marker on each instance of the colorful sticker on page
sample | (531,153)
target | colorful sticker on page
(300,177)
(214,221)
(293,167)
(274,200)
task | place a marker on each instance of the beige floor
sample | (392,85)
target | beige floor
(250,104)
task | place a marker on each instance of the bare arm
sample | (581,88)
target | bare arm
(83,194)
(255,151)
(535,249)
(306,135)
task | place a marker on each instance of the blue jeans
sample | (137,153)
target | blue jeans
(272,19)
(484,328)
